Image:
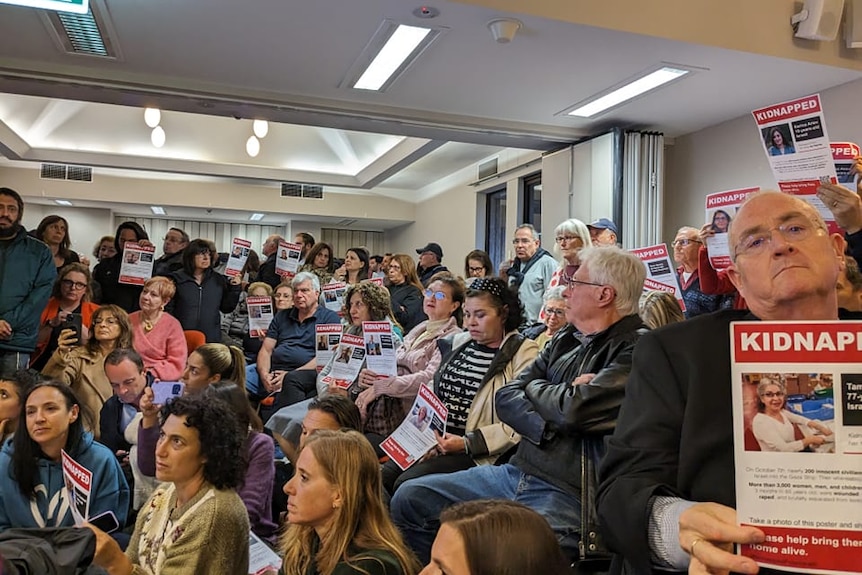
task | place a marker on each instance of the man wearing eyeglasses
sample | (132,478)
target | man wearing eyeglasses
(176,240)
(686,246)
(531,270)
(27,273)
(667,494)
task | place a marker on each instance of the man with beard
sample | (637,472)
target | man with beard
(27,274)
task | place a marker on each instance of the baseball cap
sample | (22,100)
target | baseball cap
(604,224)
(432,247)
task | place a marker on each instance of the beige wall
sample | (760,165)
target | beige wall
(86,225)
(730,155)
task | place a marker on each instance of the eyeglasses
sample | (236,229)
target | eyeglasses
(561,239)
(572,281)
(476,270)
(771,394)
(69,284)
(792,231)
(555,311)
(106,320)
(438,295)
(517,241)
(684,242)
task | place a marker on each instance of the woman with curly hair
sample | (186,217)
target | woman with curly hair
(195,522)
(475,364)
(338,523)
(83,366)
(405,290)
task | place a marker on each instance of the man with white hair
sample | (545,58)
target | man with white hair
(562,406)
(667,492)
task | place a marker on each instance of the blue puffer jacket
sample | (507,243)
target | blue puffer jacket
(27,274)
(108,492)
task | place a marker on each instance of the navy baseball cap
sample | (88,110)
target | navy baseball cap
(433,248)
(604,224)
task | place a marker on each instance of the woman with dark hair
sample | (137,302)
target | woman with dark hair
(338,523)
(720,221)
(12,391)
(491,537)
(405,291)
(83,366)
(195,522)
(478,264)
(320,262)
(107,272)
(32,490)
(201,292)
(355,266)
(71,294)
(54,231)
(777,143)
(251,268)
(475,365)
(258,450)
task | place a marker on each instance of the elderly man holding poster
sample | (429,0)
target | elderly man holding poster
(667,495)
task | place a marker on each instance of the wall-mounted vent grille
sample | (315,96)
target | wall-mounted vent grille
(487,169)
(294,190)
(64,172)
(89,34)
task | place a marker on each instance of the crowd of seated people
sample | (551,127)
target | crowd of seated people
(557,418)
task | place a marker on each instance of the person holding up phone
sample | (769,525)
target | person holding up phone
(70,297)
(82,366)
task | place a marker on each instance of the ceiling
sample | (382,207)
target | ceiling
(212,66)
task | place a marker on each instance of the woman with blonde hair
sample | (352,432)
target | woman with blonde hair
(658,308)
(405,290)
(158,336)
(337,521)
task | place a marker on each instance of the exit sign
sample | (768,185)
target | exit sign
(76,6)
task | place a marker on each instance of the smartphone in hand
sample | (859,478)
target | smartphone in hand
(73,321)
(164,391)
(106,521)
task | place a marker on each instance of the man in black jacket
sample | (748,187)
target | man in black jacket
(267,271)
(562,406)
(667,483)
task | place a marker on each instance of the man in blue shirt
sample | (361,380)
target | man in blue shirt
(286,363)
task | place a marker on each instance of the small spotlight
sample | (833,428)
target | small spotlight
(260,128)
(152,117)
(158,137)
(252,146)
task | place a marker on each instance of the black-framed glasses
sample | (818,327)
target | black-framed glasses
(438,295)
(69,284)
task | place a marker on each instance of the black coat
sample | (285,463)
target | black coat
(197,306)
(407,305)
(107,274)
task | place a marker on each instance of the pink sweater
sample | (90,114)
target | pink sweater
(163,349)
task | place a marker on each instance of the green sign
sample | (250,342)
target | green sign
(76,6)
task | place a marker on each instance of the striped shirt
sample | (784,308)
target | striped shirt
(460,381)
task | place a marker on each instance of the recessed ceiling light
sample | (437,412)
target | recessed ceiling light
(158,137)
(152,117)
(260,128)
(393,56)
(63,202)
(158,210)
(252,146)
(633,89)
(256,217)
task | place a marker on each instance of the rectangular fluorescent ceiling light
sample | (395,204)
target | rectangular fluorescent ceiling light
(400,45)
(76,6)
(63,202)
(631,90)
(256,217)
(158,210)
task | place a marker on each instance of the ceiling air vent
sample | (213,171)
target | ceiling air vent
(487,169)
(89,34)
(294,190)
(64,172)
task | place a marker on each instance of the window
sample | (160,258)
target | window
(531,187)
(495,225)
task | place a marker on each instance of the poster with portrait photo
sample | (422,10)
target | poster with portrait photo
(327,336)
(239,249)
(260,315)
(78,481)
(287,259)
(798,460)
(381,351)
(349,359)
(660,269)
(134,269)
(844,154)
(721,208)
(417,434)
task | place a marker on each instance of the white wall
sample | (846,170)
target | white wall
(86,225)
(730,155)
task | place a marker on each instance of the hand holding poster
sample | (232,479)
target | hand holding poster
(137,265)
(660,269)
(418,432)
(349,357)
(239,249)
(259,315)
(797,412)
(327,336)
(261,559)
(78,481)
(287,259)
(379,347)
(720,210)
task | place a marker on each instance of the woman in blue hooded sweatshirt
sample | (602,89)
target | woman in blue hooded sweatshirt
(31,474)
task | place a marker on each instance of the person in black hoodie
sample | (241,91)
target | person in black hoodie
(405,291)
(107,272)
(201,292)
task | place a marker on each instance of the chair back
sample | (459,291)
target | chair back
(194,339)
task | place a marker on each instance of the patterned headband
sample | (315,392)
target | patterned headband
(493,286)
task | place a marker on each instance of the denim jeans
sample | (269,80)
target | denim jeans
(12,361)
(417,504)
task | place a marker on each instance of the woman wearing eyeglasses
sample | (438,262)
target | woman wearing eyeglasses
(405,291)
(71,294)
(554,312)
(83,366)
(777,428)
(570,237)
(475,364)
